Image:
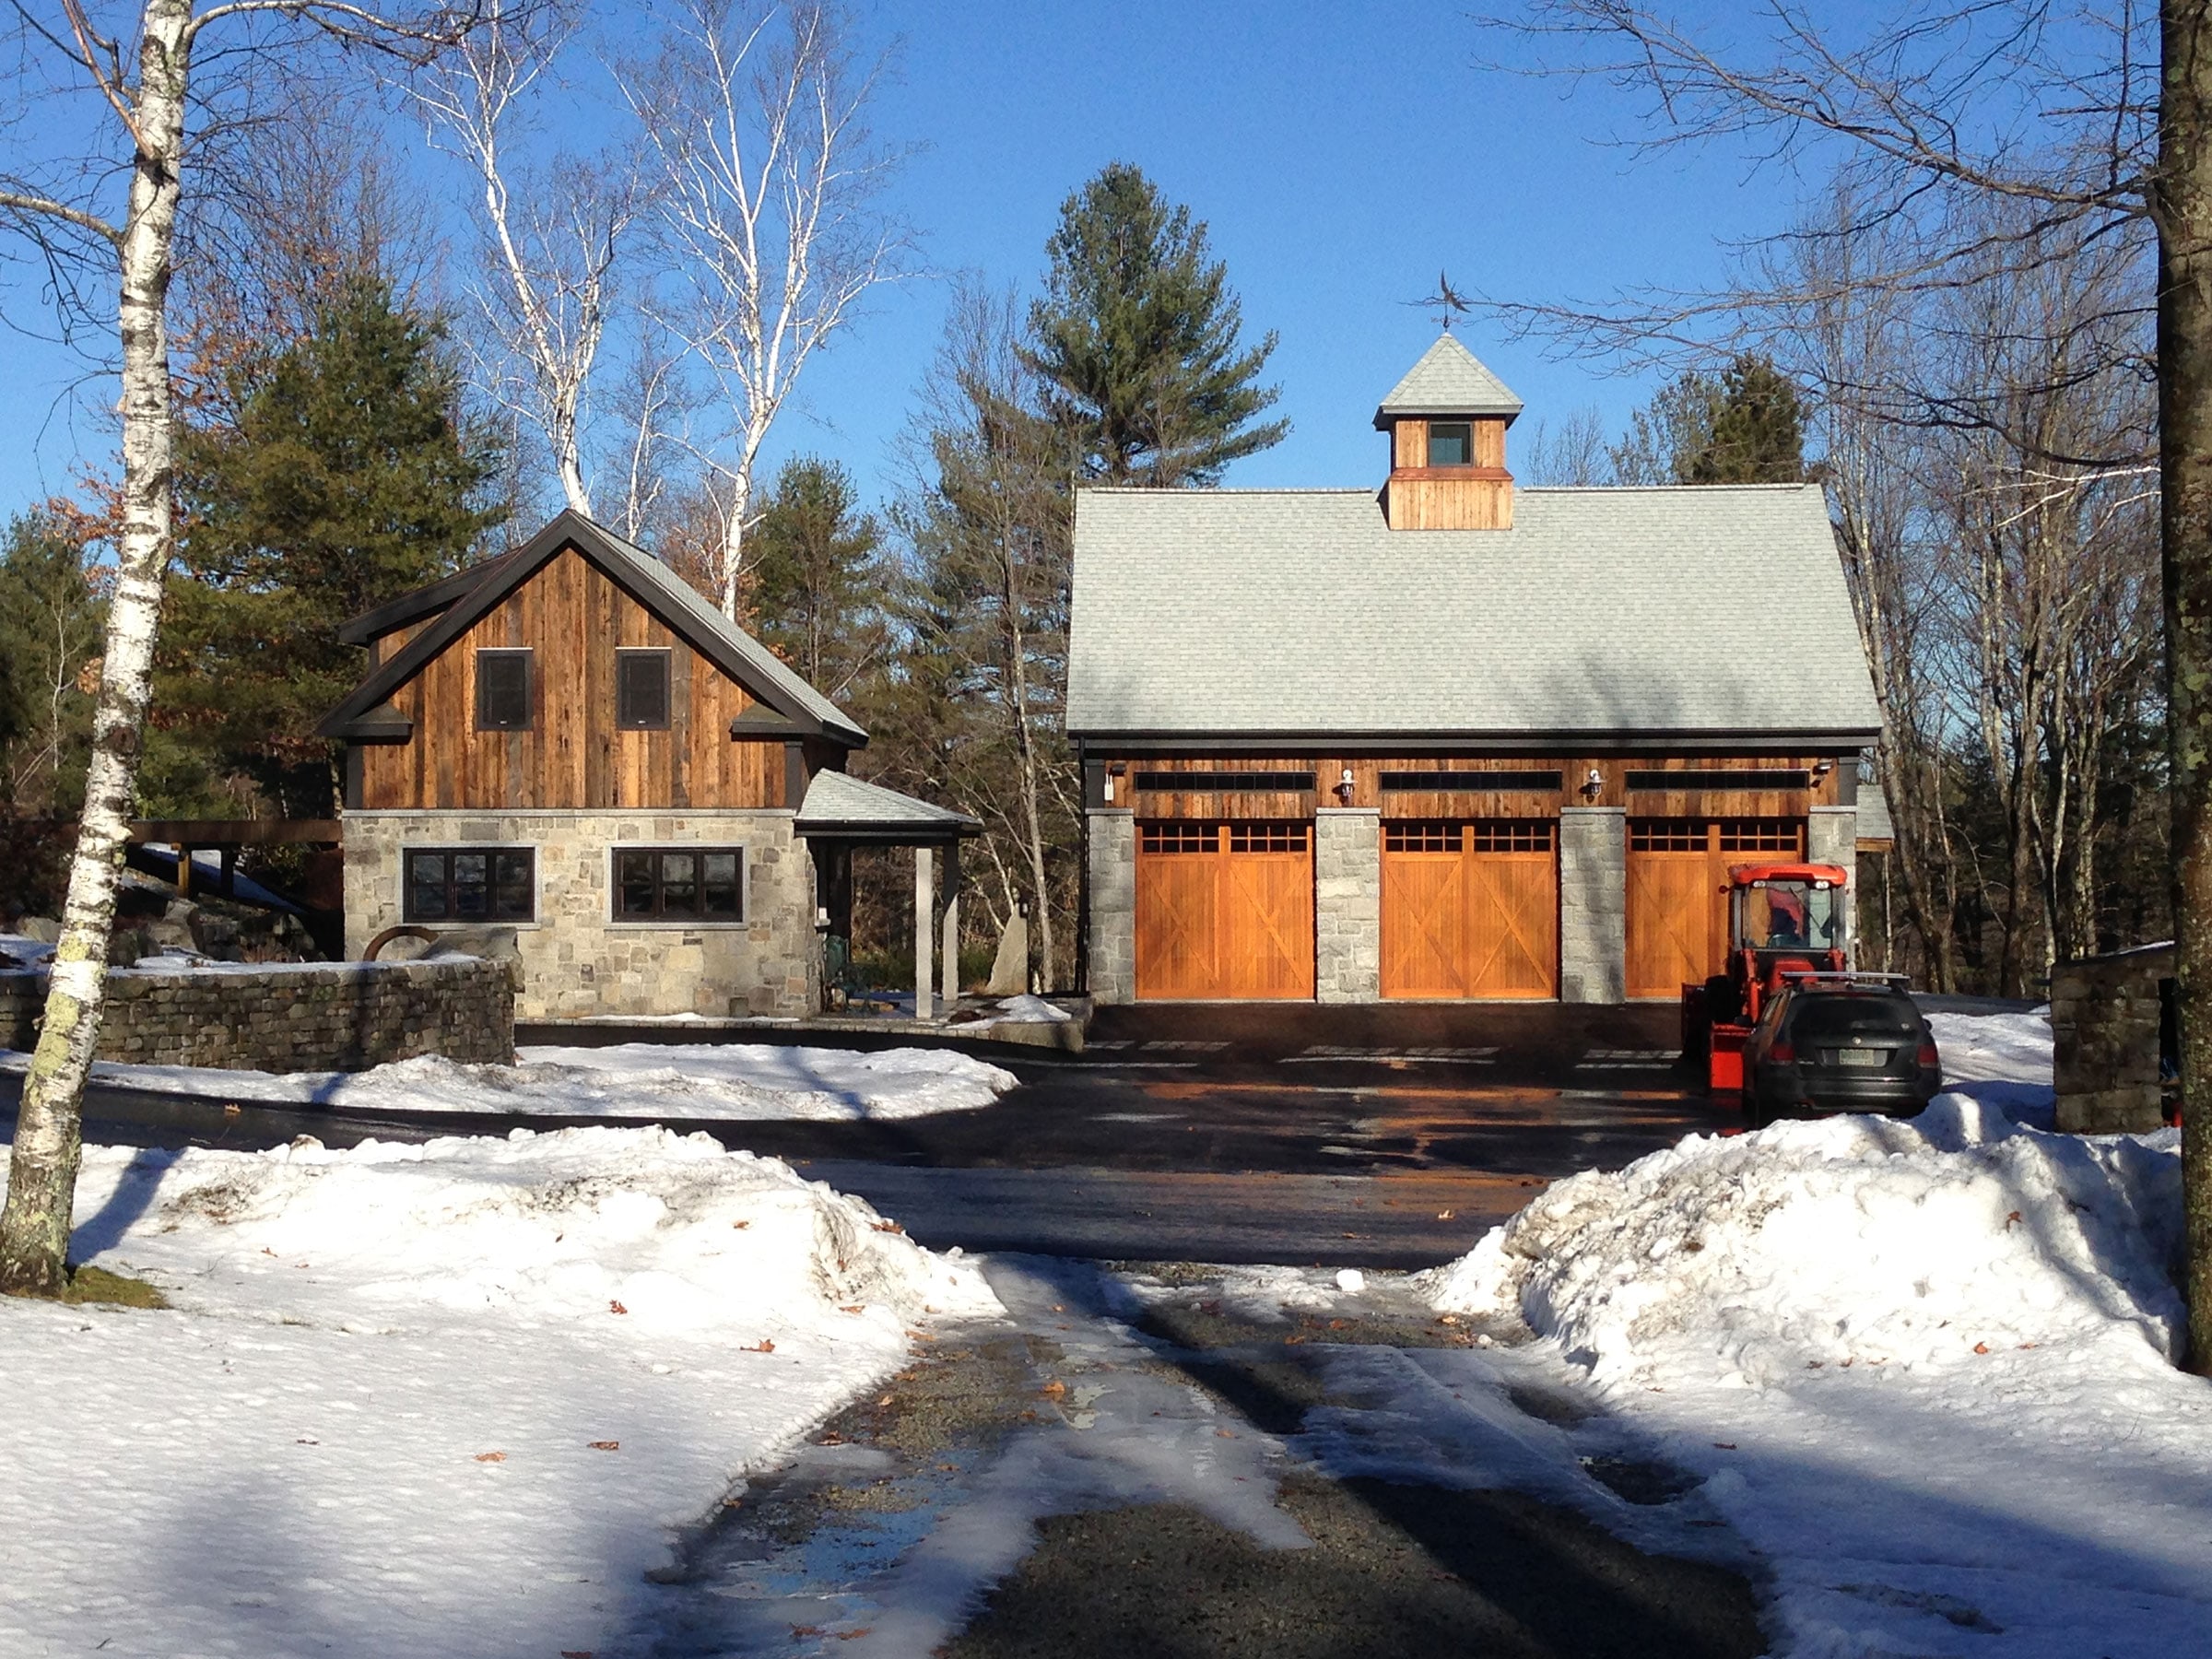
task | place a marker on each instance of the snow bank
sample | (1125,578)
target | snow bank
(1852,1239)
(704,1081)
(452,1398)
(1921,1369)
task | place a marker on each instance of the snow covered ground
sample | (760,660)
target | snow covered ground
(442,1399)
(1923,1369)
(704,1081)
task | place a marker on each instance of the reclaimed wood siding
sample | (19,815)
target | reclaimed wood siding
(1367,790)
(572,617)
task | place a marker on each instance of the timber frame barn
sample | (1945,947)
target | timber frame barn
(1451,739)
(569,741)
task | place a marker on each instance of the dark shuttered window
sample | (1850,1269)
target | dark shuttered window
(679,883)
(503,691)
(471,884)
(641,690)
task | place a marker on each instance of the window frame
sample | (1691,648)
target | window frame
(491,851)
(529,661)
(1465,428)
(624,655)
(660,917)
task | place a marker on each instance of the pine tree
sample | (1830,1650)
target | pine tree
(347,477)
(1136,339)
(1757,432)
(51,619)
(817,567)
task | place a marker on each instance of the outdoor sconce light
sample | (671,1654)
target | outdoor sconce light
(1822,767)
(1343,788)
(1594,785)
(1116,770)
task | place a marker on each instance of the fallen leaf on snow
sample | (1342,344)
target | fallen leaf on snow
(1981,1347)
(607,1446)
(491,1457)
(616,1307)
(765,1345)
(889,1227)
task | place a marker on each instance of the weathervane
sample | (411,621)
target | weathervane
(1447,301)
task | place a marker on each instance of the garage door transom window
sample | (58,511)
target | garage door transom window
(1669,835)
(1182,838)
(1760,835)
(1267,838)
(1478,835)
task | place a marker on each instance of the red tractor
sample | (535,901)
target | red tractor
(1784,920)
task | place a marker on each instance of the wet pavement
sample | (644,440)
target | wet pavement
(1178,1461)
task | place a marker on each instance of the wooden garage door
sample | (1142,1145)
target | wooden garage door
(1678,893)
(1225,910)
(1470,909)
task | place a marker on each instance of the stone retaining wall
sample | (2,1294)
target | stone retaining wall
(2105,1013)
(295,1017)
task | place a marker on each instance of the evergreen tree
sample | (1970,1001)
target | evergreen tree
(1136,339)
(817,567)
(1757,431)
(1746,427)
(347,477)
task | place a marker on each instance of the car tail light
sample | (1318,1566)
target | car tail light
(1784,1052)
(1927,1056)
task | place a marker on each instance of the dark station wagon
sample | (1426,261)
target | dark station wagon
(1839,1046)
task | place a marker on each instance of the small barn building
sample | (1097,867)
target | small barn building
(1452,738)
(569,741)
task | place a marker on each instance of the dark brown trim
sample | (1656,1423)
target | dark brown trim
(794,775)
(422,602)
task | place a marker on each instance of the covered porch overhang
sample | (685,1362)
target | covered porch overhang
(840,812)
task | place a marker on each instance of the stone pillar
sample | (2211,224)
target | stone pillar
(1347,904)
(1831,837)
(925,897)
(1112,872)
(1593,904)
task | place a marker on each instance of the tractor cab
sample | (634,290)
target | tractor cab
(1785,921)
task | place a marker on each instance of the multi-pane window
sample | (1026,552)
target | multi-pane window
(1171,836)
(1451,443)
(679,883)
(503,690)
(1481,835)
(1760,835)
(471,884)
(1267,838)
(1669,835)
(641,690)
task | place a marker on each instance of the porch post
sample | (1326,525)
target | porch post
(924,943)
(951,976)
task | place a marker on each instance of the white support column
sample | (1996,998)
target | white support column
(925,896)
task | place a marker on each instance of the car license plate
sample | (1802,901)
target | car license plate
(1868,1058)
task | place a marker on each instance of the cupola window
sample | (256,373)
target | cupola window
(1451,443)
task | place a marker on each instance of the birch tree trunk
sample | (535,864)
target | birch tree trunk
(41,1184)
(2185,223)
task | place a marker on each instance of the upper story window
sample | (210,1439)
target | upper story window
(503,691)
(1451,443)
(641,690)
(471,884)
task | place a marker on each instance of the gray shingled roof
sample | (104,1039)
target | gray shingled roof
(835,801)
(1299,612)
(1448,380)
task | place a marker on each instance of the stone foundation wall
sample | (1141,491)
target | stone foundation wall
(577,961)
(1112,872)
(1593,904)
(295,1017)
(1347,904)
(2104,1028)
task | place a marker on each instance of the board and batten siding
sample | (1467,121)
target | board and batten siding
(573,619)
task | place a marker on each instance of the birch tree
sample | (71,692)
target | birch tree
(551,235)
(767,214)
(134,74)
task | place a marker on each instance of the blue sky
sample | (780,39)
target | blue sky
(1340,153)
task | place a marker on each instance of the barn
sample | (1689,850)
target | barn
(1452,738)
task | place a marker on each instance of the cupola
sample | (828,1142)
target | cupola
(1446,421)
